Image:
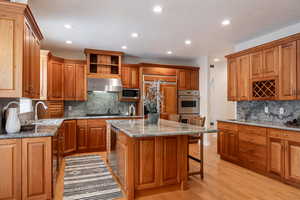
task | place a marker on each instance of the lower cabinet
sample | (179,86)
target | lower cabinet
(82,135)
(273,152)
(252,147)
(10,169)
(70,144)
(284,155)
(96,135)
(26,168)
(292,161)
(36,168)
(228,142)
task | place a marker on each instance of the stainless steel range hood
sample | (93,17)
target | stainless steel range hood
(104,84)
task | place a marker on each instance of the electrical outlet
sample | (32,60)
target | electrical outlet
(281,111)
(70,108)
(266,109)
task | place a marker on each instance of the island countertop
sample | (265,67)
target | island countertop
(141,128)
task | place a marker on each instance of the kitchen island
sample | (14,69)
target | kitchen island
(146,158)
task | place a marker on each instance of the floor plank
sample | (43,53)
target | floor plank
(222,181)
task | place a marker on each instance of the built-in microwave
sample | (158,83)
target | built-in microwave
(130,94)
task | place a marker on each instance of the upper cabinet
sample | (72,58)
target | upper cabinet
(267,72)
(288,71)
(188,79)
(66,79)
(55,78)
(232,79)
(75,80)
(20,62)
(130,76)
(103,64)
(243,71)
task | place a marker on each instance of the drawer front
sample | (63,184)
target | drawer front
(292,136)
(96,122)
(82,122)
(260,131)
(252,138)
(276,133)
(228,126)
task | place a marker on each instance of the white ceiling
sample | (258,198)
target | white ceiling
(107,24)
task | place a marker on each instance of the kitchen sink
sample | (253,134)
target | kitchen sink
(29,127)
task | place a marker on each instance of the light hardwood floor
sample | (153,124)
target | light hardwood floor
(222,181)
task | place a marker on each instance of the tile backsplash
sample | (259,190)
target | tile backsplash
(255,110)
(97,103)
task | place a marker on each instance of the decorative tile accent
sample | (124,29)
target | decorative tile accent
(255,110)
(97,103)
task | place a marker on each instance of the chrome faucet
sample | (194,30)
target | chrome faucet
(36,107)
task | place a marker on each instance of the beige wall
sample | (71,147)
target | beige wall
(219,106)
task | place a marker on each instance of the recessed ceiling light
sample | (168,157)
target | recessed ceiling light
(169,52)
(124,47)
(69,42)
(157,9)
(134,35)
(216,60)
(188,42)
(226,22)
(67,26)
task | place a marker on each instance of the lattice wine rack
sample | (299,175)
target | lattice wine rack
(264,89)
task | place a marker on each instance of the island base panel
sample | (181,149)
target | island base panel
(148,165)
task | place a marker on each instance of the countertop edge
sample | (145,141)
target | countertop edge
(128,133)
(282,127)
(56,126)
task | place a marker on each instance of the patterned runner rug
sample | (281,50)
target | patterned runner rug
(87,178)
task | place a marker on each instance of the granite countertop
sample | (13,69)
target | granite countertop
(49,127)
(140,128)
(266,124)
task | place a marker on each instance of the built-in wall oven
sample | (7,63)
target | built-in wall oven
(188,102)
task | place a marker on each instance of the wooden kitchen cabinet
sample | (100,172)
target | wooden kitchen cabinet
(70,137)
(228,141)
(130,76)
(96,135)
(81,82)
(55,80)
(271,62)
(36,168)
(252,149)
(275,165)
(188,79)
(31,64)
(75,85)
(19,63)
(69,81)
(264,64)
(229,144)
(232,80)
(243,78)
(256,65)
(82,135)
(169,103)
(292,157)
(288,71)
(10,169)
